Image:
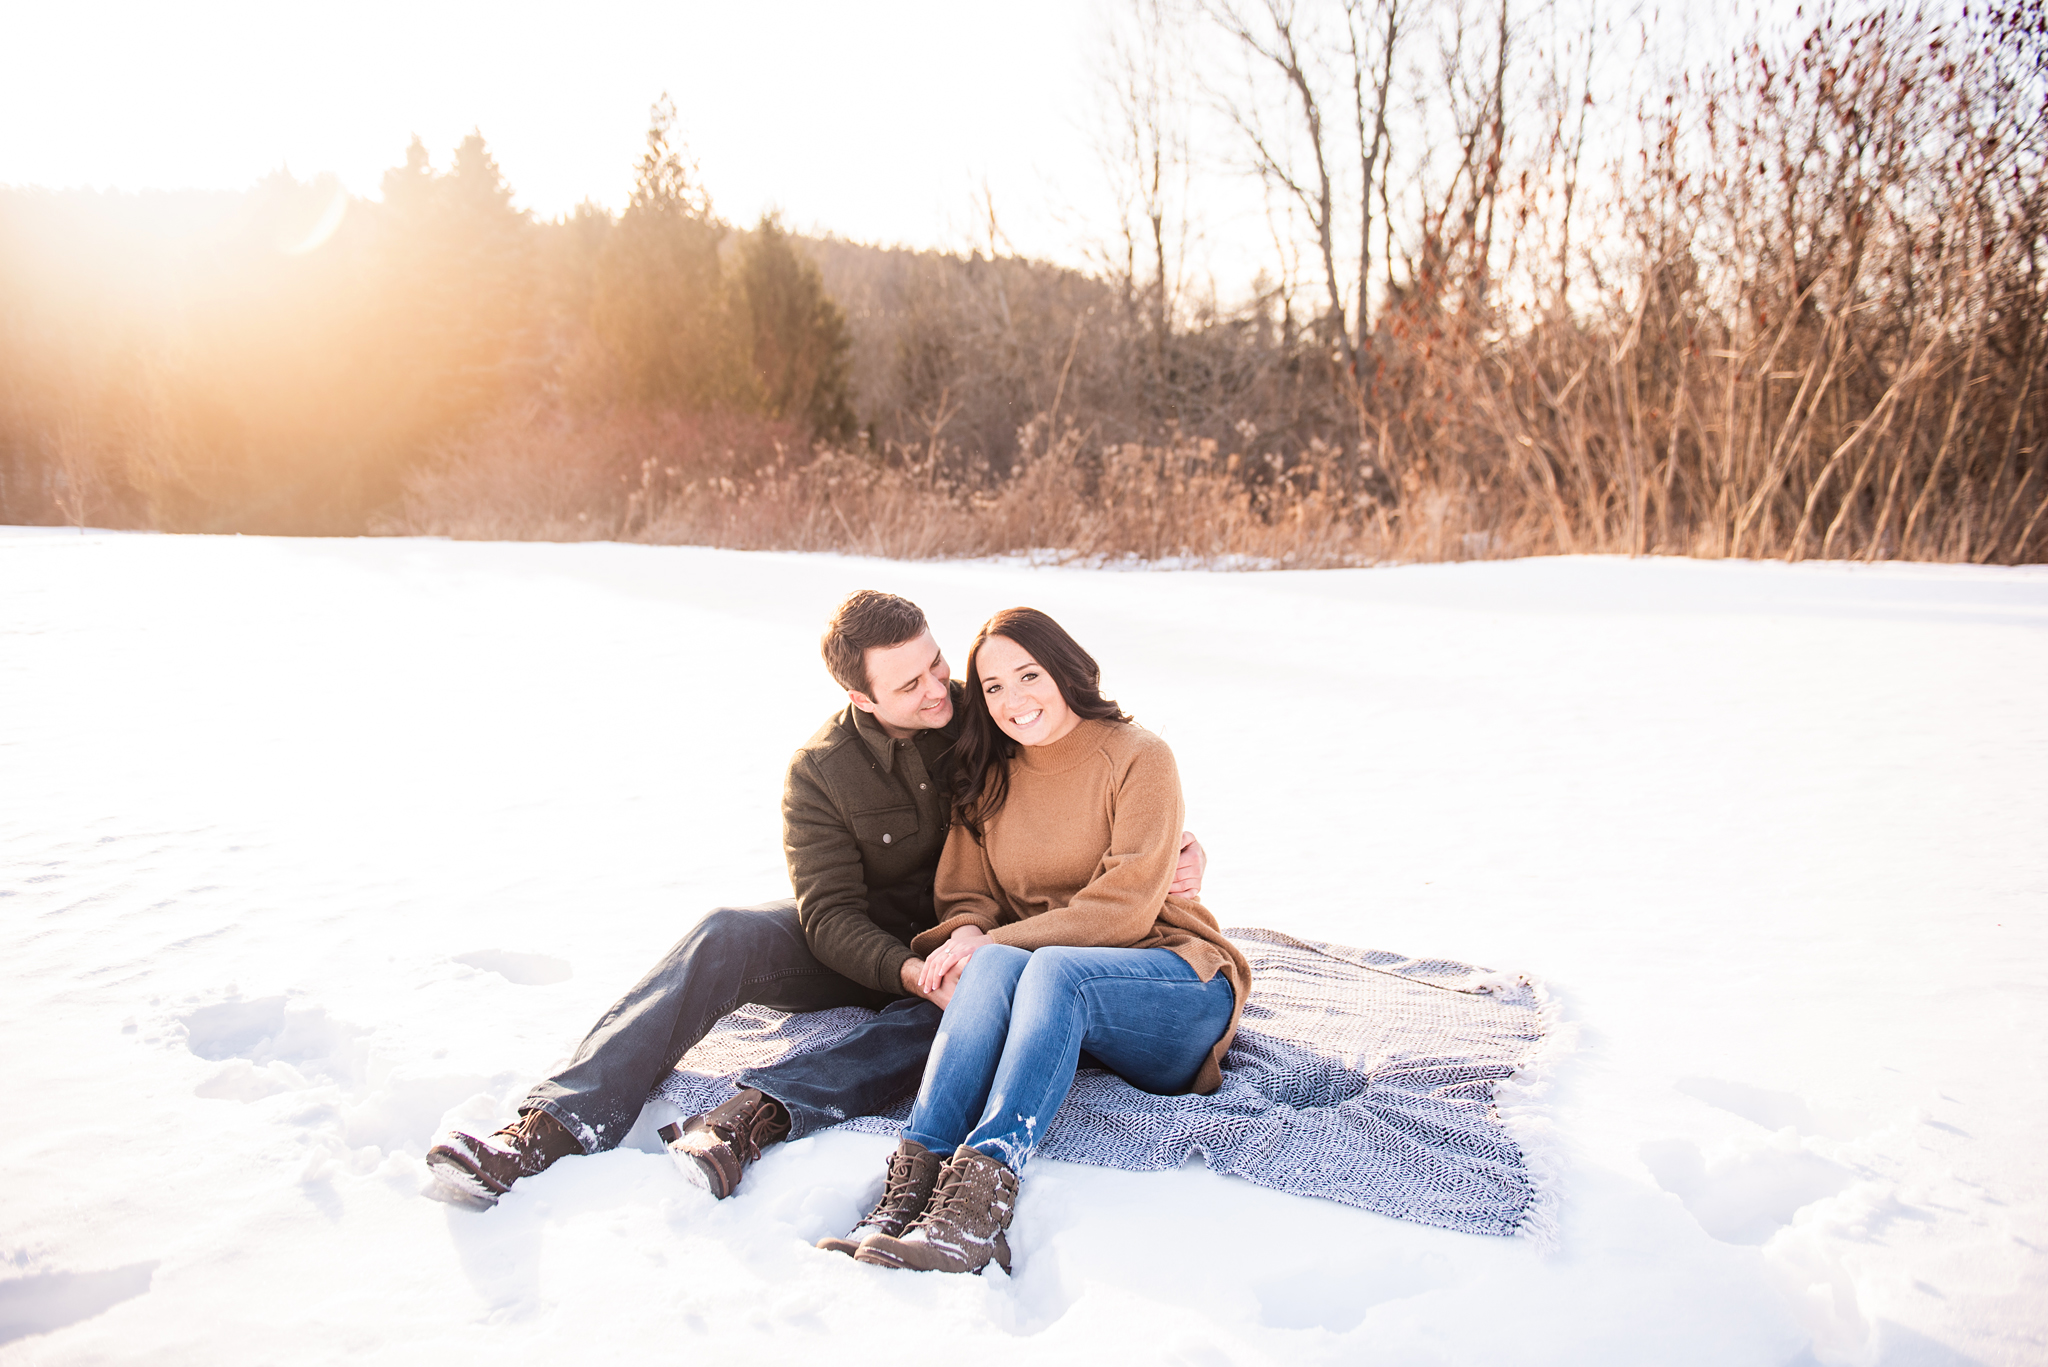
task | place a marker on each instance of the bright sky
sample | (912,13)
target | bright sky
(878,122)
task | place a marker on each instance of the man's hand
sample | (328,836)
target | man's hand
(942,995)
(1187,875)
(913,977)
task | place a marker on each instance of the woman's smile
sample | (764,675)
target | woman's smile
(1020,694)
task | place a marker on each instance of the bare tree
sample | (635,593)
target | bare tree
(1368,87)
(1321,60)
(1277,39)
(1146,152)
(1474,90)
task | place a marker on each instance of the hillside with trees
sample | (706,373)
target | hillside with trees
(1787,303)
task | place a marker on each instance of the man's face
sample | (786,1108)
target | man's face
(909,682)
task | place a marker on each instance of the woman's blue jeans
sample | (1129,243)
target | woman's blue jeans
(1015,1028)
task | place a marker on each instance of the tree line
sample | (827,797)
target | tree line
(1784,301)
(282,360)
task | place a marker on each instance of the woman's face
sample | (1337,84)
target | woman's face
(1020,696)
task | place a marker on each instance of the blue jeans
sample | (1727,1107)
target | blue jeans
(1019,1019)
(737,956)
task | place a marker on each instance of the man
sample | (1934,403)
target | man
(865,809)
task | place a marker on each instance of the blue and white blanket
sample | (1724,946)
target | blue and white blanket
(1359,1076)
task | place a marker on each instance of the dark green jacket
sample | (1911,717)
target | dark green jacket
(863,820)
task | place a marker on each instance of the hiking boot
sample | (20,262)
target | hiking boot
(964,1225)
(482,1170)
(913,1170)
(713,1149)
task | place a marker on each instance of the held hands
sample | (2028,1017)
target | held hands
(940,996)
(942,970)
(935,978)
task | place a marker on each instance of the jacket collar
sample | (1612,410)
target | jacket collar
(880,744)
(883,746)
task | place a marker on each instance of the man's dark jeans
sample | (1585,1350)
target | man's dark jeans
(737,956)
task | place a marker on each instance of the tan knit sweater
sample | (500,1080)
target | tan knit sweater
(1082,854)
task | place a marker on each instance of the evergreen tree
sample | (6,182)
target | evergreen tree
(406,188)
(490,254)
(661,308)
(458,268)
(800,341)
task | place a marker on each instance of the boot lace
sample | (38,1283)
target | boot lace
(957,1197)
(742,1131)
(899,1192)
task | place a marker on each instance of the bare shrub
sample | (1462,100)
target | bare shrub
(744,484)
(1831,342)
(533,474)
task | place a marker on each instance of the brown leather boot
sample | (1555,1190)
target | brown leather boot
(913,1171)
(962,1228)
(712,1150)
(482,1170)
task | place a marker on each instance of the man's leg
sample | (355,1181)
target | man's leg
(864,1073)
(736,956)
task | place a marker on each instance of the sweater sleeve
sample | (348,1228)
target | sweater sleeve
(964,889)
(1119,906)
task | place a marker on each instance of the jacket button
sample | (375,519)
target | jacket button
(885,837)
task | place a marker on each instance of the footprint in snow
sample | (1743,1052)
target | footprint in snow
(1745,1199)
(528,970)
(51,1300)
(1772,1110)
(279,1044)
(269,1045)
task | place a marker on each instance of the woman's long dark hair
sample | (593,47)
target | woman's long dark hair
(981,773)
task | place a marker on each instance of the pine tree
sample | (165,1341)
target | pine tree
(458,265)
(661,308)
(800,341)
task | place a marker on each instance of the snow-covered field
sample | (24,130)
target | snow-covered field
(307,847)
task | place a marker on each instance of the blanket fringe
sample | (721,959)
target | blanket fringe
(1519,1103)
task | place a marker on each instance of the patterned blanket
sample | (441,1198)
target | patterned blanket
(1394,1084)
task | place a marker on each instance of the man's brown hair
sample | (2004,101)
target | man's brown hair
(869,619)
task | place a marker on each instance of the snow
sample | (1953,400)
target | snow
(310,847)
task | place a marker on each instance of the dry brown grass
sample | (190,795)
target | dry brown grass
(745,487)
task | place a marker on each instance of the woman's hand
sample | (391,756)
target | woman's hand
(949,957)
(1187,875)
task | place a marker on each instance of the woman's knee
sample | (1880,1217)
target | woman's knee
(1054,981)
(982,997)
(1060,967)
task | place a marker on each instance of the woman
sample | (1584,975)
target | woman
(1055,916)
